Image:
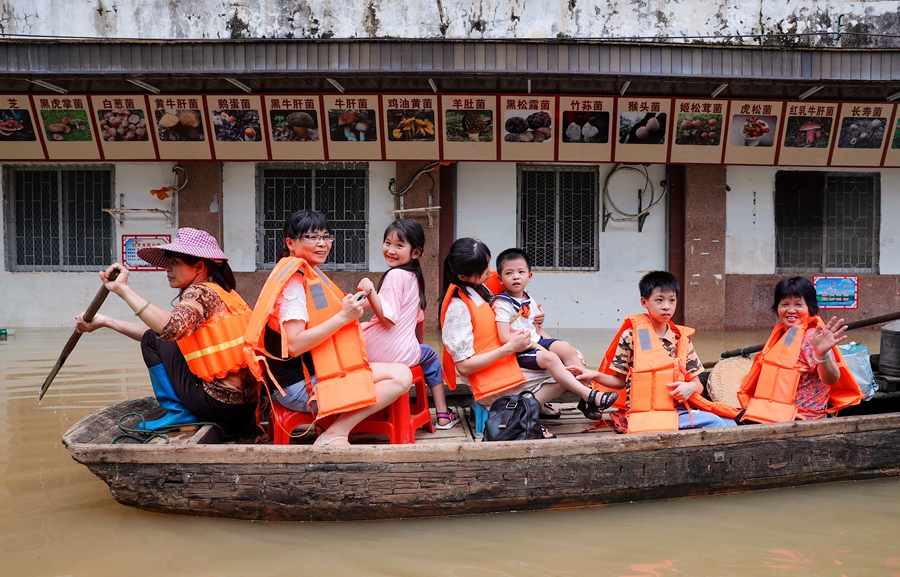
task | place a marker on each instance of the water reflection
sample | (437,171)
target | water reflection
(58,519)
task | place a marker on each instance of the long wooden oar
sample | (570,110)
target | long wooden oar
(73,340)
(850,326)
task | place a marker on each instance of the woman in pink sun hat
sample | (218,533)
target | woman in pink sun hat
(194,353)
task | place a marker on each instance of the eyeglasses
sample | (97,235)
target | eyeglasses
(315,238)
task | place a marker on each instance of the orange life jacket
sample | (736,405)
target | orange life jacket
(652,371)
(216,348)
(769,389)
(499,376)
(345,380)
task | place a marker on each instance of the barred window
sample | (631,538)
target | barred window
(339,190)
(559,216)
(827,222)
(55,219)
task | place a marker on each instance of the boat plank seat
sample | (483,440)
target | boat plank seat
(399,421)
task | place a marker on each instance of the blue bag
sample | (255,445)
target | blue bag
(859,363)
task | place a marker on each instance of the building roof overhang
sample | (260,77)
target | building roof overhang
(563,66)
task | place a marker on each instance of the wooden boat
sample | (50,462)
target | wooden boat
(451,474)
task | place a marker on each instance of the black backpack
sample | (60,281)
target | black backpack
(514,418)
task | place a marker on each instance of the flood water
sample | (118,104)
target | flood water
(57,519)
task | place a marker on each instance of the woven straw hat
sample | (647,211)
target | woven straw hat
(726,378)
(190,241)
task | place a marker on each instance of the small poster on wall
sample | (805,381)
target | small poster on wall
(862,134)
(412,127)
(18,132)
(180,128)
(807,133)
(752,132)
(642,126)
(528,127)
(132,243)
(469,128)
(354,127)
(66,127)
(123,126)
(585,129)
(837,291)
(699,129)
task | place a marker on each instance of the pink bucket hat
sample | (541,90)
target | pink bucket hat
(190,241)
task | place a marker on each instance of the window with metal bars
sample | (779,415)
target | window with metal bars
(559,216)
(339,190)
(827,222)
(55,219)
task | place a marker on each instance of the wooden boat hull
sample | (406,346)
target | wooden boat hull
(300,483)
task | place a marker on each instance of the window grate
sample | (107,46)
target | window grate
(55,219)
(827,222)
(337,190)
(559,216)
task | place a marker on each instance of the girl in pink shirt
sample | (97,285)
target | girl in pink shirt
(395,334)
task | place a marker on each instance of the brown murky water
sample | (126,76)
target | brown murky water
(57,519)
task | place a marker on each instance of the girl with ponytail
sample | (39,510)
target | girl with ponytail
(398,301)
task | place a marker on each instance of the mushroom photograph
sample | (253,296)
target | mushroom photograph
(352,125)
(807,131)
(859,132)
(237,125)
(176,125)
(470,125)
(67,125)
(122,125)
(410,124)
(524,127)
(753,130)
(294,125)
(642,128)
(590,127)
(698,129)
(895,143)
(15,125)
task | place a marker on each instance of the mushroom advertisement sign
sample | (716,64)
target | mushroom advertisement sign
(295,126)
(752,131)
(862,134)
(353,127)
(807,133)
(584,133)
(18,134)
(698,131)
(412,127)
(892,147)
(528,127)
(237,127)
(124,127)
(469,127)
(642,126)
(66,127)
(180,130)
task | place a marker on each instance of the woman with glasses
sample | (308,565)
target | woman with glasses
(304,338)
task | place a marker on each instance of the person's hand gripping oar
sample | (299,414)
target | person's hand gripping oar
(73,340)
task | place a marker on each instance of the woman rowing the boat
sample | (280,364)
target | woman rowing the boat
(194,353)
(800,373)
(305,338)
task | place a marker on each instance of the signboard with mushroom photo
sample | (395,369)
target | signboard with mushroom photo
(528,127)
(584,134)
(412,127)
(180,130)
(123,127)
(752,132)
(892,150)
(18,134)
(697,133)
(469,130)
(862,134)
(353,127)
(237,127)
(806,135)
(295,127)
(66,127)
(641,129)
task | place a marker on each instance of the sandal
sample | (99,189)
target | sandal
(593,410)
(321,441)
(547,434)
(555,414)
(454,420)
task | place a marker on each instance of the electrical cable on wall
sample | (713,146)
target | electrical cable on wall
(642,213)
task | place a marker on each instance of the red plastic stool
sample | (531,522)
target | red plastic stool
(283,421)
(420,415)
